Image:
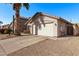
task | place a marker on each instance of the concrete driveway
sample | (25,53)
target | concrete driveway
(63,46)
(13,44)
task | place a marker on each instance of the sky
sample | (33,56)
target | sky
(68,11)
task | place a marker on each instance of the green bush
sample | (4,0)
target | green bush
(6,31)
(2,31)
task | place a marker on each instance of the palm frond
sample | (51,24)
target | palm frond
(26,5)
(15,5)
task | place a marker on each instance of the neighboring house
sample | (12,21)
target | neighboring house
(76,29)
(45,25)
(22,21)
(5,26)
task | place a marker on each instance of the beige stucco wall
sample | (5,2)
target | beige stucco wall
(62,29)
(75,30)
(46,26)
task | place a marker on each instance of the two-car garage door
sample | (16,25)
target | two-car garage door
(47,30)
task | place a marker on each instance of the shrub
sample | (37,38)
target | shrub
(5,31)
(2,31)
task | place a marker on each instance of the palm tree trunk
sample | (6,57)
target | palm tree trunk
(17,25)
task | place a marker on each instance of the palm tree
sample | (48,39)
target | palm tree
(16,8)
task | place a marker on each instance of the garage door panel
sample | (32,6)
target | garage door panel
(46,30)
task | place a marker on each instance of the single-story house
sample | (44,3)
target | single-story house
(45,25)
(22,21)
(5,26)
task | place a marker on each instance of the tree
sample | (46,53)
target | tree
(16,8)
(1,23)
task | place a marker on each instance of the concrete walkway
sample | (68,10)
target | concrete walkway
(13,44)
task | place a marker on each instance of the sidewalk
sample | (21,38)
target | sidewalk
(13,44)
